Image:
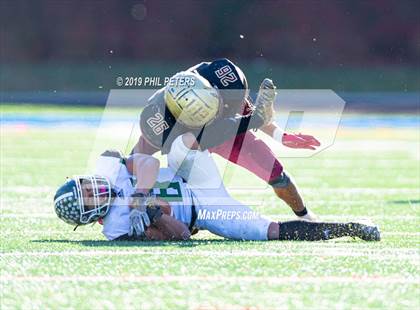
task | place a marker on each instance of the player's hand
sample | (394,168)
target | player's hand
(309,139)
(310,217)
(139,221)
(300,141)
(153,209)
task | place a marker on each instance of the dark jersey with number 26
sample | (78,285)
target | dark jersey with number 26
(160,127)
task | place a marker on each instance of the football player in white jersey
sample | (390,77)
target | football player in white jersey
(170,203)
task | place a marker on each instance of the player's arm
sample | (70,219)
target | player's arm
(163,225)
(265,106)
(164,228)
(223,129)
(297,141)
(145,168)
(167,228)
(261,115)
(144,147)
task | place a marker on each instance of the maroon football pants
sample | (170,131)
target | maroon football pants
(251,153)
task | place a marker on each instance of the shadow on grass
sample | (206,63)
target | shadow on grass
(105,243)
(181,244)
(408,201)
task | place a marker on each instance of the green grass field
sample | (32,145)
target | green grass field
(368,173)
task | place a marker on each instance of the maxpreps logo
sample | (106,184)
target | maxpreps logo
(221,214)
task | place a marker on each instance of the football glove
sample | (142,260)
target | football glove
(300,141)
(139,220)
(265,101)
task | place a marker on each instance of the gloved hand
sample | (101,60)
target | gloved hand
(300,141)
(139,220)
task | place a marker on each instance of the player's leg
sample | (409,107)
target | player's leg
(254,155)
(231,219)
(197,168)
(314,231)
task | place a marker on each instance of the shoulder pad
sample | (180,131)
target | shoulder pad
(115,154)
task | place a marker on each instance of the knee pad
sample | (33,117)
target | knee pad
(281,181)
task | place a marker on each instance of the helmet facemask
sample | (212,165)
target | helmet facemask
(192,100)
(94,195)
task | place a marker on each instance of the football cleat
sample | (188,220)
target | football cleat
(310,217)
(366,231)
(265,101)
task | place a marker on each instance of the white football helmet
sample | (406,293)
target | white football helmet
(192,100)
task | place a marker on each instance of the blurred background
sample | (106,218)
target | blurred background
(71,52)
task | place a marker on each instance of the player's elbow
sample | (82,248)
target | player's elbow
(185,235)
(190,141)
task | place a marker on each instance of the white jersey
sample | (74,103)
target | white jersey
(168,187)
(216,211)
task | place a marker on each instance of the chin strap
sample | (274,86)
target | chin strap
(113,193)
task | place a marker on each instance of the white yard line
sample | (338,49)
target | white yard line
(51,233)
(406,253)
(399,233)
(30,215)
(215,279)
(27,189)
(243,189)
(350,217)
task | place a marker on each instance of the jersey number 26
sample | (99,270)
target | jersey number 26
(157,123)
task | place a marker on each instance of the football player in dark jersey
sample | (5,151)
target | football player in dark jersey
(211,100)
